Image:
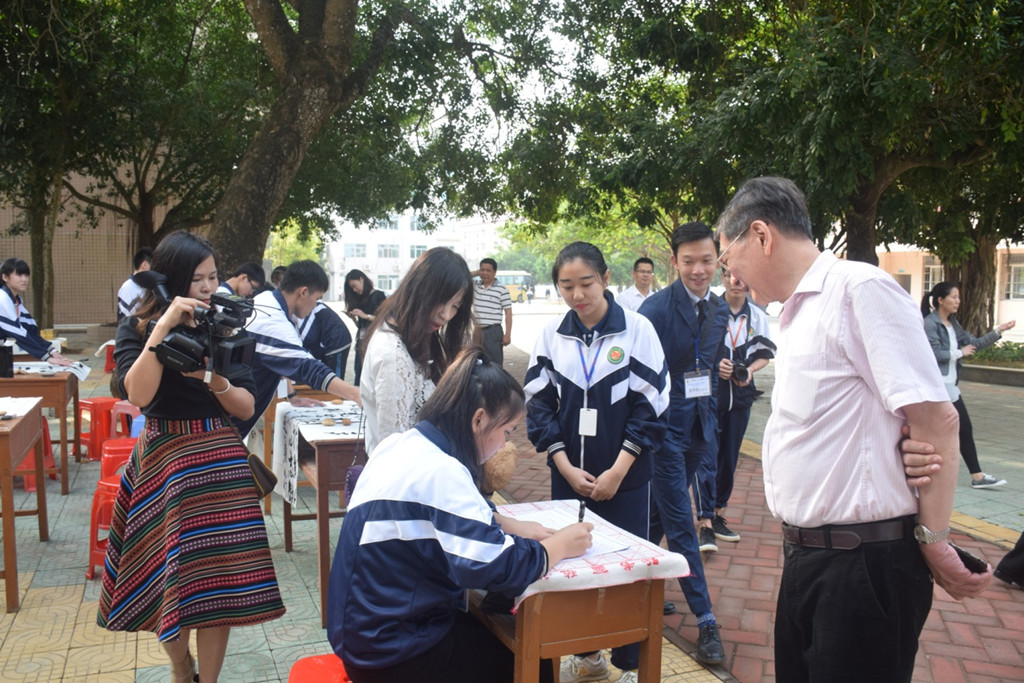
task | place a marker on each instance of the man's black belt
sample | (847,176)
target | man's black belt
(487,327)
(849,536)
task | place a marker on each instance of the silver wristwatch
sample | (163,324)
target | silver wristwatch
(925,535)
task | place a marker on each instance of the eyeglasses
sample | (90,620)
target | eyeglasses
(721,257)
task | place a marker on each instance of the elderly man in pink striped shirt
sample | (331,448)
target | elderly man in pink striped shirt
(854,367)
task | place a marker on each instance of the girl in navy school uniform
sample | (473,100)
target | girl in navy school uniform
(419,532)
(597,389)
(15,321)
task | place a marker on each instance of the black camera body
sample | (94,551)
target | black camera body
(740,370)
(215,335)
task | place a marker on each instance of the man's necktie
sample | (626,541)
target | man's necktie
(702,312)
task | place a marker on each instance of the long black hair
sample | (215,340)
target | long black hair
(176,257)
(354,300)
(472,382)
(931,299)
(435,277)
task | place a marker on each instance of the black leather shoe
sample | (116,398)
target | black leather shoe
(668,608)
(1003,576)
(709,645)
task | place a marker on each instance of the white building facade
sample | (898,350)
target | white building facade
(386,251)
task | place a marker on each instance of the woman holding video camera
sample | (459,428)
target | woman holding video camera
(187,548)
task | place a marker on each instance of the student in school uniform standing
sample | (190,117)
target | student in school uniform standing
(597,389)
(690,321)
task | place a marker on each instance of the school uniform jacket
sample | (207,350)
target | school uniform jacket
(417,534)
(629,389)
(672,313)
(750,322)
(18,324)
(279,353)
(324,335)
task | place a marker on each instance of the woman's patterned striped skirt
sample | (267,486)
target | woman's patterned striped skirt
(187,546)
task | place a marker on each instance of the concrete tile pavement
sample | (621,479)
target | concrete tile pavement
(54,636)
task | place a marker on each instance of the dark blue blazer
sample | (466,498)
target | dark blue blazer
(672,313)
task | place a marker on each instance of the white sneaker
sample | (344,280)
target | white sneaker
(987,482)
(592,668)
(628,677)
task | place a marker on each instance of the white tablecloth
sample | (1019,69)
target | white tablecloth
(639,560)
(291,422)
(79,370)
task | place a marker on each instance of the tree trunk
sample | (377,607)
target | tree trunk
(861,238)
(976,278)
(260,184)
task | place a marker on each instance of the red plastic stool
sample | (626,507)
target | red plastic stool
(102,512)
(29,463)
(98,409)
(116,453)
(108,364)
(319,669)
(121,417)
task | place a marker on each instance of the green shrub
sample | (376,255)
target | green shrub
(1004,353)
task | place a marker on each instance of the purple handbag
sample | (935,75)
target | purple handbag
(355,469)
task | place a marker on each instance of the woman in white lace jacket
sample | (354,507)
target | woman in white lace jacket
(415,334)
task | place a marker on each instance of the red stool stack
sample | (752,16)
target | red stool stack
(28,464)
(121,416)
(116,453)
(98,410)
(319,669)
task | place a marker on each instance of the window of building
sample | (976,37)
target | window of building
(416,249)
(387,251)
(1015,282)
(355,251)
(387,283)
(390,223)
(932,277)
(419,222)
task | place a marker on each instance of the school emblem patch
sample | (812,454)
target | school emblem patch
(615,355)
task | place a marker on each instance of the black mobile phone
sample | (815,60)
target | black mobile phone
(973,563)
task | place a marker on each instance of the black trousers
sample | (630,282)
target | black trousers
(851,615)
(968,451)
(469,653)
(491,339)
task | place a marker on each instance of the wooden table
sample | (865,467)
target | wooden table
(17,437)
(552,625)
(269,418)
(56,391)
(588,603)
(326,473)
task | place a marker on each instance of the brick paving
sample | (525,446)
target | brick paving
(977,641)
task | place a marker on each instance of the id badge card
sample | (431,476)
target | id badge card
(588,421)
(697,383)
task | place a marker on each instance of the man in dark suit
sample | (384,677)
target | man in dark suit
(691,322)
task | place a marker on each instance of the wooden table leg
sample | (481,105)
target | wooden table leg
(650,649)
(62,416)
(10,551)
(78,424)
(528,634)
(287,526)
(323,532)
(44,525)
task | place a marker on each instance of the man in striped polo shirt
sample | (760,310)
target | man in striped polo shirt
(490,300)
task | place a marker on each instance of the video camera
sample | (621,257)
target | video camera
(215,335)
(740,371)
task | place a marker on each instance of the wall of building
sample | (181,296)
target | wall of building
(89,265)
